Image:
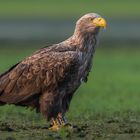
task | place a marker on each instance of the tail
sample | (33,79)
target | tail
(4,80)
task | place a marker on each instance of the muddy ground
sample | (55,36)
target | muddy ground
(98,129)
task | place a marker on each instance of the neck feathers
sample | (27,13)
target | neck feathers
(85,40)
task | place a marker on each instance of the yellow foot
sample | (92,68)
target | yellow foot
(54,128)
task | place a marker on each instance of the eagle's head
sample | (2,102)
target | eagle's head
(90,23)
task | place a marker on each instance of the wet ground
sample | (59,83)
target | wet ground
(106,129)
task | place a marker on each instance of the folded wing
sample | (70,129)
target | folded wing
(35,74)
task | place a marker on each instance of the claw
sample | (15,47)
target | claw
(54,128)
(60,122)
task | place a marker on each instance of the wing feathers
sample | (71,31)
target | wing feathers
(35,74)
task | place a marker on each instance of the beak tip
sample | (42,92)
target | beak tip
(101,22)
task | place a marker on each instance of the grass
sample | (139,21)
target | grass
(107,107)
(66,9)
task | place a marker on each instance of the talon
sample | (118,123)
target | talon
(54,128)
(60,122)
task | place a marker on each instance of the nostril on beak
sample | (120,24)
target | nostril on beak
(99,19)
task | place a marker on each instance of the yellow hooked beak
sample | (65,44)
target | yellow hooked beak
(100,22)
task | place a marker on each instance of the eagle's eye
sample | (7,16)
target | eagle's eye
(91,19)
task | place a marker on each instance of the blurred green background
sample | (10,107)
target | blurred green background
(113,84)
(48,21)
(67,9)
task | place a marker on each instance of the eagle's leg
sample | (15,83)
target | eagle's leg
(63,121)
(46,108)
(61,118)
(59,122)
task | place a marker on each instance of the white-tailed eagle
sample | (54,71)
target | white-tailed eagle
(48,78)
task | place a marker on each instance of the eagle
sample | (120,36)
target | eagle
(47,80)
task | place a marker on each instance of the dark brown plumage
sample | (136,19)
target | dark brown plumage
(48,78)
